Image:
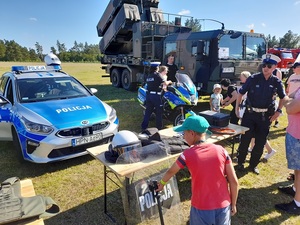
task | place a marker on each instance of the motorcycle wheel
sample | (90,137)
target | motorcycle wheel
(178,119)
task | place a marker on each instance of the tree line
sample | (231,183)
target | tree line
(12,51)
(289,40)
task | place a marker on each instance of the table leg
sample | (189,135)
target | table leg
(105,191)
(105,196)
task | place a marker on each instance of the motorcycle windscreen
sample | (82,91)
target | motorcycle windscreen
(140,203)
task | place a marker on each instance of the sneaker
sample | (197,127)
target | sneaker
(269,155)
(291,207)
(276,124)
(287,190)
(254,170)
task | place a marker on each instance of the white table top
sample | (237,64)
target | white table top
(127,169)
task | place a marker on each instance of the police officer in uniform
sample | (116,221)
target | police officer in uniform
(154,83)
(261,89)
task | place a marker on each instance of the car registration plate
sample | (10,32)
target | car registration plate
(87,139)
(228,70)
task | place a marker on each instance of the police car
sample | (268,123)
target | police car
(50,116)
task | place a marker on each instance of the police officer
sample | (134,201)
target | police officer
(154,83)
(261,89)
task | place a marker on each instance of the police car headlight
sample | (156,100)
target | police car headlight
(36,127)
(113,115)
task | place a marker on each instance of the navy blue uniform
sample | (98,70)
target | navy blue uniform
(261,95)
(153,100)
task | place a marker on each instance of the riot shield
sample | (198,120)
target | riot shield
(140,201)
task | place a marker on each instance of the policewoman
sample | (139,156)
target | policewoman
(154,82)
(261,89)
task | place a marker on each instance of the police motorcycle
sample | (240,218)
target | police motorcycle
(178,100)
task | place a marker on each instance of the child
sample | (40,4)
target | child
(216,98)
(243,77)
(163,70)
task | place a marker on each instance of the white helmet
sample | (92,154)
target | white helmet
(51,59)
(125,141)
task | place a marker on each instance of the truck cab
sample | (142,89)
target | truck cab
(286,56)
(209,56)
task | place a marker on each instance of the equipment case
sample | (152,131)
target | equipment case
(215,118)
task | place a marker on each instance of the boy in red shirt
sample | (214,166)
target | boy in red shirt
(214,182)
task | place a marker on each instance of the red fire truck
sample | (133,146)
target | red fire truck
(286,56)
(295,52)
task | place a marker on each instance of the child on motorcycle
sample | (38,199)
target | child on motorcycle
(163,70)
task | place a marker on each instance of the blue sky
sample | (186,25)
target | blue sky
(31,21)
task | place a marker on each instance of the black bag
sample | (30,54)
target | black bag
(215,118)
(14,207)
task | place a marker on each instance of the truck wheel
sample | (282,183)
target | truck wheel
(116,78)
(127,81)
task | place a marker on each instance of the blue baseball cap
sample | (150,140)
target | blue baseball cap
(270,59)
(195,123)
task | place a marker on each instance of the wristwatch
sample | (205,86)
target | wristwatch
(279,110)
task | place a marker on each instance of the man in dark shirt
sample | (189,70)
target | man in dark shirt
(172,68)
(230,99)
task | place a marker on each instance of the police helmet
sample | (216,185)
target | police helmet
(125,141)
(51,60)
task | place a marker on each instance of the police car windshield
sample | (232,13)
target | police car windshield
(50,88)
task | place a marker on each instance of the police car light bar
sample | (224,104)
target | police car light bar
(153,64)
(35,68)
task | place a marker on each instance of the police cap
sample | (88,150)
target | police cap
(270,59)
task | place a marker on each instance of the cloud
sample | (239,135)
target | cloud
(263,24)
(250,26)
(296,2)
(184,12)
(33,19)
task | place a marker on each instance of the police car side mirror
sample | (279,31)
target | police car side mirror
(3,100)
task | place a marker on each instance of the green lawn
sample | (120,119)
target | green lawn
(77,184)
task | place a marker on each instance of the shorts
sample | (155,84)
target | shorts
(292,148)
(216,216)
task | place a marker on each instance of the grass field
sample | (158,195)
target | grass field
(77,184)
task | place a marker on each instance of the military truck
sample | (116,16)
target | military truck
(135,33)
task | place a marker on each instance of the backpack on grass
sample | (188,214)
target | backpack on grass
(14,207)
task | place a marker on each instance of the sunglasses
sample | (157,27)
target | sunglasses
(267,65)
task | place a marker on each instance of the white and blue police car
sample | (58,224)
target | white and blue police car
(50,116)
